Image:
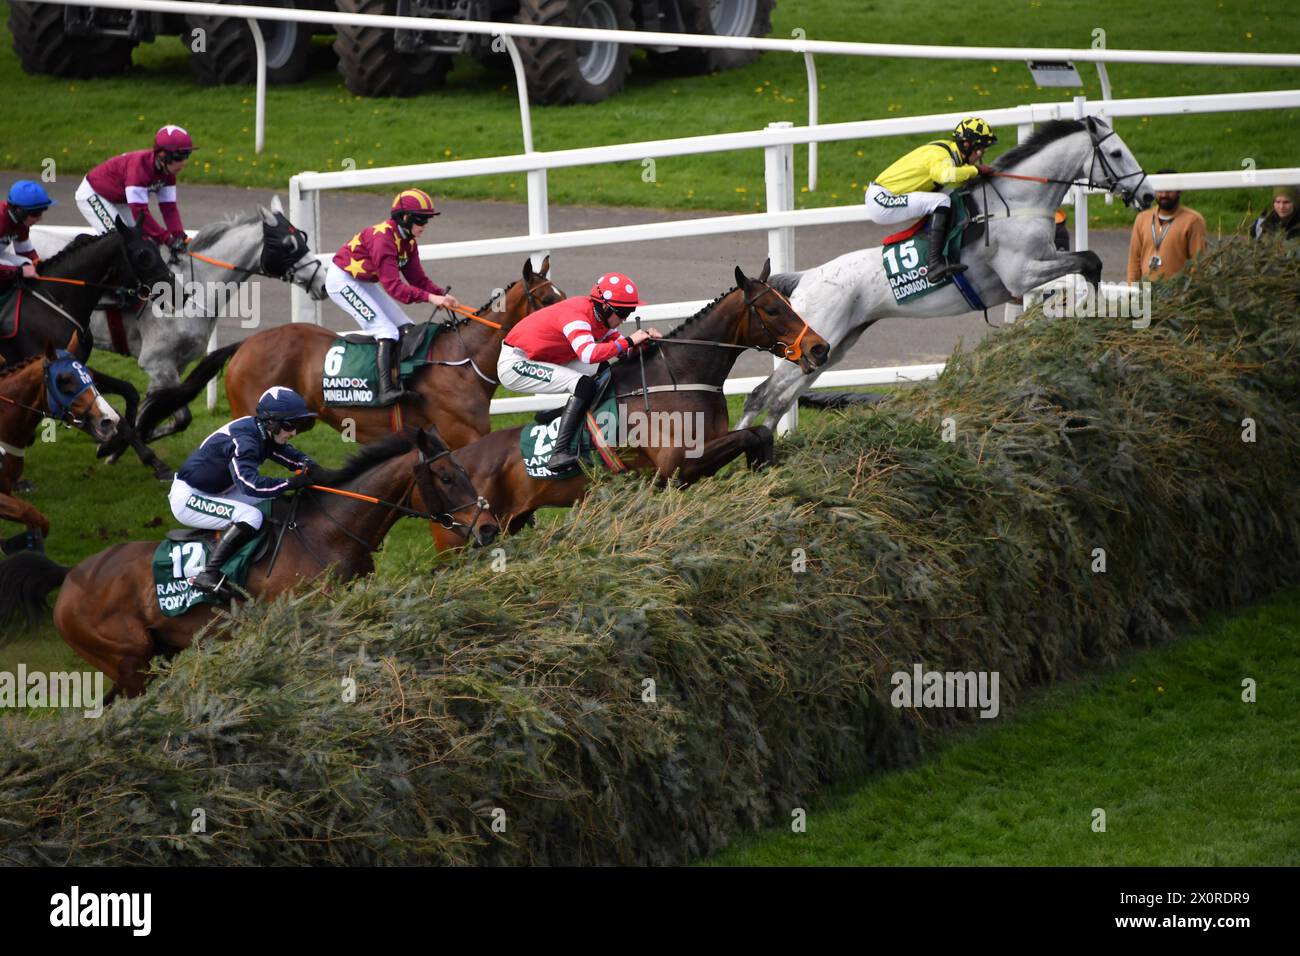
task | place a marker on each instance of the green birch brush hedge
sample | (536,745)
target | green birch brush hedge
(663,669)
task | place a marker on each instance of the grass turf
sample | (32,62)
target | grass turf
(319,125)
(1187,773)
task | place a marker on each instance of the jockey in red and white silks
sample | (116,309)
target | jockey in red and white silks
(557,349)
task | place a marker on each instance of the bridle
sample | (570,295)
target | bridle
(423,478)
(1114,180)
(792,352)
(60,411)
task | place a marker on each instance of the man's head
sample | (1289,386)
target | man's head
(28,201)
(973,136)
(282,413)
(614,297)
(172,146)
(1168,199)
(1284,201)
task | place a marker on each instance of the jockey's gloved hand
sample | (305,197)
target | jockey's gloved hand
(177,243)
(984,168)
(301,479)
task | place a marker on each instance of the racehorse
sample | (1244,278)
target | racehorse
(52,384)
(681,376)
(454,392)
(107,609)
(847,295)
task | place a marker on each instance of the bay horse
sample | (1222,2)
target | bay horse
(454,392)
(683,376)
(52,384)
(107,609)
(849,294)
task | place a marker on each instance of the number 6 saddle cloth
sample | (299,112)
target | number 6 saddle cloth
(184,553)
(348,376)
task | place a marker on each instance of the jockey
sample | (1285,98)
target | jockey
(128,180)
(219,484)
(385,258)
(913,186)
(557,350)
(26,204)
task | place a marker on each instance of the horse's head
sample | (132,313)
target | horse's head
(71,396)
(287,252)
(1114,166)
(534,291)
(142,260)
(771,323)
(444,489)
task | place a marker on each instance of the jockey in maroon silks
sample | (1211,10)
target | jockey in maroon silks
(128,181)
(26,203)
(378,268)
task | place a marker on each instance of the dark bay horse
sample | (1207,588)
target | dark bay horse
(684,372)
(108,611)
(56,307)
(52,384)
(454,393)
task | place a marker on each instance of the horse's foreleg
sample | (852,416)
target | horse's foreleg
(755,443)
(1042,271)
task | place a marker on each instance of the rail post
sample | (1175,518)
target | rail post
(778,174)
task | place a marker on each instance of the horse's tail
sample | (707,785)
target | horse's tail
(158,405)
(25,580)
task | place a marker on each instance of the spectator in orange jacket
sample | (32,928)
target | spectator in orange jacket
(1165,237)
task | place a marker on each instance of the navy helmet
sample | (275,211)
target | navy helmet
(28,197)
(284,406)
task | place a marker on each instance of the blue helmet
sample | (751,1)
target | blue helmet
(284,405)
(29,196)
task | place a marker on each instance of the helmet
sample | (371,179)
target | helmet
(975,130)
(27,197)
(413,205)
(174,142)
(284,406)
(616,290)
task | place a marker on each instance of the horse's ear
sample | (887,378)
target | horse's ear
(74,343)
(740,278)
(276,205)
(49,351)
(268,217)
(767,270)
(121,225)
(528,268)
(546,266)
(431,441)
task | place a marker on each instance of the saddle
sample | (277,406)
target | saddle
(967,226)
(260,545)
(410,342)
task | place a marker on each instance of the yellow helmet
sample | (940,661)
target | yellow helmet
(975,130)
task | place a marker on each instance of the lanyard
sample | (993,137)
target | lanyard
(1154,216)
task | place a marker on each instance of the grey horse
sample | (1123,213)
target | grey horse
(844,297)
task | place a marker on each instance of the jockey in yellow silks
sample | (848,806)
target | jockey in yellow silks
(913,186)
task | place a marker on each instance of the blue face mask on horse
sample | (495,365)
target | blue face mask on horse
(58,401)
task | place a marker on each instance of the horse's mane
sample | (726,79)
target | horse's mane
(370,456)
(214,232)
(1041,138)
(78,242)
(16,367)
(504,292)
(700,314)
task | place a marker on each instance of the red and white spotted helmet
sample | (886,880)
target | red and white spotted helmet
(616,289)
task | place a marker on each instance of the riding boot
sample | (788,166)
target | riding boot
(210,579)
(937,268)
(562,458)
(388,359)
